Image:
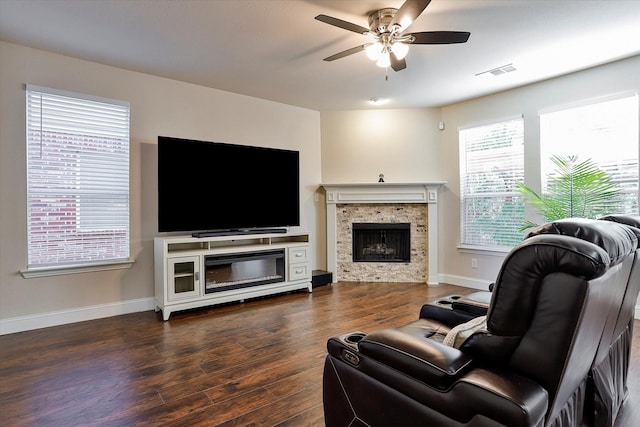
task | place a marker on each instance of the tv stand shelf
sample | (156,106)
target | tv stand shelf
(183,280)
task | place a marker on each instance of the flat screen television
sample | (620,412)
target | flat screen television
(214,187)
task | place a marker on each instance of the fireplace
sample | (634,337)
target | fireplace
(381,242)
(387,202)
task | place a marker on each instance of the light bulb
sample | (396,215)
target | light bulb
(400,50)
(384,61)
(374,50)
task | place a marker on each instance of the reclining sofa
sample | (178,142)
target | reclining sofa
(549,348)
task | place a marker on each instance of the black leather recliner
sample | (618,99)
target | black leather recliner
(607,389)
(608,378)
(529,365)
(611,365)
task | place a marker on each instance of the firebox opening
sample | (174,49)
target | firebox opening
(381,242)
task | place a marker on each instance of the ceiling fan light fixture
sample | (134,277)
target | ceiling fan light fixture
(374,50)
(400,50)
(387,35)
(384,60)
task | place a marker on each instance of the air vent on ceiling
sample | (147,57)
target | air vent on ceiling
(504,69)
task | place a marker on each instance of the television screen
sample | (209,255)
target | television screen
(213,186)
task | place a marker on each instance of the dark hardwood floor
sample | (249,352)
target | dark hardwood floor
(258,363)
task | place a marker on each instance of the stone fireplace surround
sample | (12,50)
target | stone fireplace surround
(425,193)
(414,270)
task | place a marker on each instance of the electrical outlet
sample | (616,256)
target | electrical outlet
(474,263)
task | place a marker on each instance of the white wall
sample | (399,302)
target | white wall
(619,77)
(406,145)
(158,107)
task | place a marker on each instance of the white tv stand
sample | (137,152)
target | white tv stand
(183,281)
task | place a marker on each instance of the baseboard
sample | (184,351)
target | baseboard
(467,282)
(63,317)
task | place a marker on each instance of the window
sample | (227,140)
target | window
(77,179)
(605,132)
(491,163)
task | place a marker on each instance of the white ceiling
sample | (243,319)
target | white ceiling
(273,49)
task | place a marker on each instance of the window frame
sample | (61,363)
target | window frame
(121,257)
(463,245)
(545,166)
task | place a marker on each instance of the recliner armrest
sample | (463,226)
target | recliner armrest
(447,315)
(476,303)
(421,358)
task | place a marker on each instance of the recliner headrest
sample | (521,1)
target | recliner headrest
(630,220)
(616,239)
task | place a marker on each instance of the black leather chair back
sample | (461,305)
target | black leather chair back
(553,295)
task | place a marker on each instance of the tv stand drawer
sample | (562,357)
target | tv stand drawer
(299,272)
(299,254)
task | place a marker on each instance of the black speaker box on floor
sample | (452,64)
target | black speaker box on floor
(321,277)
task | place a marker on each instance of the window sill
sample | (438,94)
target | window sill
(484,250)
(33,272)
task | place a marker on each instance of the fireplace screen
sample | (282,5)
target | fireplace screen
(380,242)
(224,272)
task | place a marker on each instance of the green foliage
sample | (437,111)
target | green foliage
(573,190)
(493,220)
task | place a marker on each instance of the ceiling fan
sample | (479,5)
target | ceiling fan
(389,43)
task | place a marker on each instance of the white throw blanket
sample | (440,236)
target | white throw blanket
(460,333)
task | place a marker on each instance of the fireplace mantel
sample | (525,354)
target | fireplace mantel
(384,192)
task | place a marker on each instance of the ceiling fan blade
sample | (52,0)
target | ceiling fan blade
(342,24)
(440,37)
(345,53)
(397,64)
(408,13)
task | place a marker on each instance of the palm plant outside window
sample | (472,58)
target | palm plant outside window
(596,145)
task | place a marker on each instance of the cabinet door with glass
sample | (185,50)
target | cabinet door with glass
(183,278)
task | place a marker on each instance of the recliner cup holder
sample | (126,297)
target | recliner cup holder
(354,338)
(447,301)
(351,339)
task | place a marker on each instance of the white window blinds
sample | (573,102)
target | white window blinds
(491,163)
(605,132)
(77,178)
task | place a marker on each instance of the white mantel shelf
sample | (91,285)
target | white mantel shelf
(384,192)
